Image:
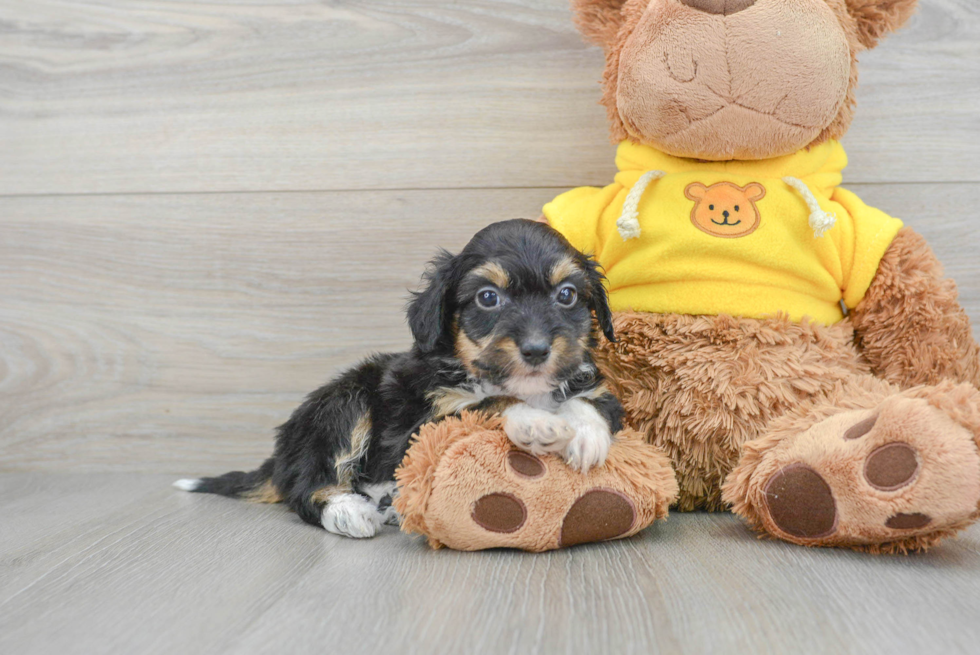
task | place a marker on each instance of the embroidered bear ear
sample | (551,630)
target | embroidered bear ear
(876,18)
(695,191)
(755,191)
(599,20)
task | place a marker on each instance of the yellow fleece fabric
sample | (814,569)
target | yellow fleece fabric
(675,266)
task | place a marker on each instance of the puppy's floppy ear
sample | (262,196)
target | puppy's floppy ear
(599,20)
(876,18)
(429,314)
(598,299)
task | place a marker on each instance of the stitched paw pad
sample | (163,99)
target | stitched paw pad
(597,515)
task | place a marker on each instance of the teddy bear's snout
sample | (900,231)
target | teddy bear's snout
(725,7)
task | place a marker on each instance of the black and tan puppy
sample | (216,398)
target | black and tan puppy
(504,326)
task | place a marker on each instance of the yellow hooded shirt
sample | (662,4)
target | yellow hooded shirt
(745,238)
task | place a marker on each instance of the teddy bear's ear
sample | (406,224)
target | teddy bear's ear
(876,18)
(599,20)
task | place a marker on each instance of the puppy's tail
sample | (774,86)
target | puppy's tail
(255,485)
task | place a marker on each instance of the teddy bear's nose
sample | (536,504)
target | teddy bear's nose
(725,7)
(725,213)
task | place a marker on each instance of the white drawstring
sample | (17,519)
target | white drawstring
(629,223)
(820,220)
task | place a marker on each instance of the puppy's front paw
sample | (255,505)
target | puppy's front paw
(592,440)
(537,430)
(589,447)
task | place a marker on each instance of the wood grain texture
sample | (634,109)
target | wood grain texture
(108,96)
(174,332)
(129,565)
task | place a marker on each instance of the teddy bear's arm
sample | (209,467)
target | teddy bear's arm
(909,325)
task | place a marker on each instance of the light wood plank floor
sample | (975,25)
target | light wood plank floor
(208,208)
(122,563)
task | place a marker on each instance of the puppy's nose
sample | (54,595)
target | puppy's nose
(724,7)
(535,352)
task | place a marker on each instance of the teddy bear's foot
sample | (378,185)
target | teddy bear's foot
(464,485)
(897,477)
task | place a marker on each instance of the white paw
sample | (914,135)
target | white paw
(351,515)
(588,448)
(537,430)
(592,440)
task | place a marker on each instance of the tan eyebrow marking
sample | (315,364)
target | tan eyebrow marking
(562,269)
(494,272)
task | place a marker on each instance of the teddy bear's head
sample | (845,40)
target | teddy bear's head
(733,79)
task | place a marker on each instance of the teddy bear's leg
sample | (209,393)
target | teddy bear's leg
(870,467)
(464,484)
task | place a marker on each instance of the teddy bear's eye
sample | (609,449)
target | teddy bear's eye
(711,207)
(736,207)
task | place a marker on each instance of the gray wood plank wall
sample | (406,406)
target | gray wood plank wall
(206,209)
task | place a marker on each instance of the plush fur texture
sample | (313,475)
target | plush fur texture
(700,387)
(876,18)
(671,69)
(910,326)
(455,463)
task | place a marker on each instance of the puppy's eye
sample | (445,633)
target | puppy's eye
(487,298)
(566,296)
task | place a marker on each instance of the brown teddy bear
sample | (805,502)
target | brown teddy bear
(797,355)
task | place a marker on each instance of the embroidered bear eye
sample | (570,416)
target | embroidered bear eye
(736,207)
(711,207)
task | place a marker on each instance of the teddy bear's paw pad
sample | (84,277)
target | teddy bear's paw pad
(499,512)
(597,515)
(908,521)
(801,503)
(525,464)
(860,428)
(891,467)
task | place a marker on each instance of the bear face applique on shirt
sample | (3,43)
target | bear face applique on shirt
(724,209)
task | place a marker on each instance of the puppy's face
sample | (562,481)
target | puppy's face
(515,307)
